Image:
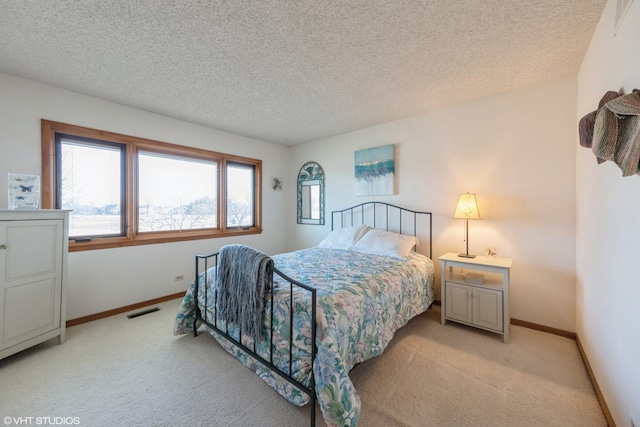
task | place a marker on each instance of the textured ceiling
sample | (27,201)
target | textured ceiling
(294,71)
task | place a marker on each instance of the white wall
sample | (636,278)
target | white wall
(516,151)
(109,278)
(608,228)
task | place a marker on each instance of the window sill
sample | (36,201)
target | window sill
(155,238)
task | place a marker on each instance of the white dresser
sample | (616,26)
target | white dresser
(33,270)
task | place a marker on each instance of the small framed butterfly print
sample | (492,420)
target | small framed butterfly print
(24,191)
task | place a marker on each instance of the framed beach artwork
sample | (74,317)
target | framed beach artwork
(24,191)
(375,171)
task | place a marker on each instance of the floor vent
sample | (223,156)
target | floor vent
(622,6)
(142,313)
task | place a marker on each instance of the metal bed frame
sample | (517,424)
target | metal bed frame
(363,212)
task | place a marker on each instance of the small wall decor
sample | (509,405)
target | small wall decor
(277,184)
(492,251)
(24,191)
(374,171)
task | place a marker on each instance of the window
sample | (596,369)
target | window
(125,191)
(176,193)
(89,175)
(240,186)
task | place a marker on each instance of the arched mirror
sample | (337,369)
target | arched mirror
(311,194)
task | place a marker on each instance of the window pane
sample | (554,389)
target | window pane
(90,185)
(240,195)
(176,193)
(315,202)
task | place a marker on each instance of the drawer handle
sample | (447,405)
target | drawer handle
(3,246)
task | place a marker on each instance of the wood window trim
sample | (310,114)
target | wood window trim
(133,146)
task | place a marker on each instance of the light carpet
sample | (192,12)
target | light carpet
(134,372)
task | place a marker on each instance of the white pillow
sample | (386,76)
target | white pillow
(386,243)
(344,238)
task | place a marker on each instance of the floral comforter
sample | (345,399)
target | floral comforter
(362,300)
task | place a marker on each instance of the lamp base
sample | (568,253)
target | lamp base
(466,256)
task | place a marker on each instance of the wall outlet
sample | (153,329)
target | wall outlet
(179,277)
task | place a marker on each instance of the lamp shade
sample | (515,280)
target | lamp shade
(467,207)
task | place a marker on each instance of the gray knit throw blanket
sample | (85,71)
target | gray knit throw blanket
(245,275)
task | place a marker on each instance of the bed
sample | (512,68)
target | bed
(329,307)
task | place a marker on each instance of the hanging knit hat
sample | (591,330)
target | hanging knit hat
(616,134)
(585,127)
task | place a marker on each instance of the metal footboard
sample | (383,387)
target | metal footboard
(202,264)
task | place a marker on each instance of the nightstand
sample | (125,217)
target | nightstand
(475,292)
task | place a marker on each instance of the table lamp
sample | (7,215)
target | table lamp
(467,208)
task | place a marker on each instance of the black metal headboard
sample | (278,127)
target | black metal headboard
(386,217)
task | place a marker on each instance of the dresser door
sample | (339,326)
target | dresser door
(487,308)
(458,300)
(30,279)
